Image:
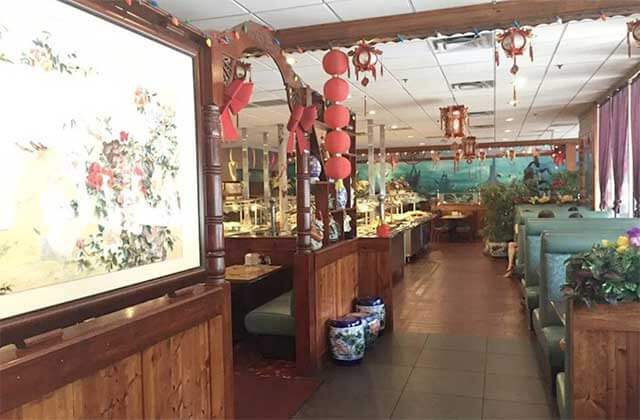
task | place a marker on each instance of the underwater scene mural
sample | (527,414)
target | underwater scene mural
(429,179)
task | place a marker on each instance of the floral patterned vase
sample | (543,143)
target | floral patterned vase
(371,326)
(347,339)
(315,168)
(374,305)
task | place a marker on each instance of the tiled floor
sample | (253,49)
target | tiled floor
(460,349)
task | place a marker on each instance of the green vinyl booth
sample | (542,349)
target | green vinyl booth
(524,212)
(529,234)
(556,248)
(274,325)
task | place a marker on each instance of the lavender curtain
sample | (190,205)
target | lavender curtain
(604,151)
(635,138)
(618,139)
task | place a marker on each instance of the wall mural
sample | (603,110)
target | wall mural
(427,178)
(97,157)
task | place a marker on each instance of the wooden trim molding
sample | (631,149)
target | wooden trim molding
(480,17)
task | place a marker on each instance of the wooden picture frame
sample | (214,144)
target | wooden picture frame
(147,21)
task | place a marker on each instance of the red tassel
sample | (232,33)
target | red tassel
(629,44)
(381,69)
(497,57)
(531,51)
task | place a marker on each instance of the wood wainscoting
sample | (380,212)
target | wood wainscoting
(376,270)
(167,358)
(604,361)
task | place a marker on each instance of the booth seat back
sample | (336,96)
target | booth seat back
(555,248)
(535,227)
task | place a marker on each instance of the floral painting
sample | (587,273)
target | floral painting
(97,156)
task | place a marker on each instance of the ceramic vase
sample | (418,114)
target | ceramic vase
(374,305)
(347,340)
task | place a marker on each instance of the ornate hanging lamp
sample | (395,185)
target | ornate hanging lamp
(633,32)
(453,121)
(365,58)
(514,42)
(469,148)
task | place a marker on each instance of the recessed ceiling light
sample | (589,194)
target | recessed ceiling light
(372,112)
(509,119)
(393,127)
(409,136)
(507,131)
(349,96)
(291,61)
(421,143)
(513,102)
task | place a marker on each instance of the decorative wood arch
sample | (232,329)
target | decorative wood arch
(251,38)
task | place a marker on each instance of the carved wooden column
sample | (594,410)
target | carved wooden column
(214,228)
(303,201)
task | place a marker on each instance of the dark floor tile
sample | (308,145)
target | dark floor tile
(368,376)
(452,360)
(354,402)
(513,364)
(507,410)
(417,405)
(453,342)
(515,388)
(388,355)
(522,346)
(446,382)
(401,339)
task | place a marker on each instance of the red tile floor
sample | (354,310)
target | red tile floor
(457,290)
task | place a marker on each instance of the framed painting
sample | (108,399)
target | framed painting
(99,158)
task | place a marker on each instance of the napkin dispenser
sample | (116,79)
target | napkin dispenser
(252,258)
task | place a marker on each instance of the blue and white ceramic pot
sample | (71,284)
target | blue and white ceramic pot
(374,305)
(315,168)
(341,198)
(346,339)
(371,326)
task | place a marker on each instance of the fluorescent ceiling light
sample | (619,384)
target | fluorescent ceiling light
(372,112)
(509,119)
(291,61)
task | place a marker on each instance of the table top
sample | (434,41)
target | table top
(242,274)
(455,217)
(560,306)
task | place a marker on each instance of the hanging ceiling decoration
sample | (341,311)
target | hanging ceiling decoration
(510,155)
(633,31)
(559,155)
(364,59)
(454,120)
(469,149)
(514,42)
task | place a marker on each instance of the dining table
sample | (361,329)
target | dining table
(454,219)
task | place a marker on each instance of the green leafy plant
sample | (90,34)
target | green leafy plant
(608,273)
(499,200)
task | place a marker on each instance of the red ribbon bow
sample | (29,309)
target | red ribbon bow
(300,122)
(236,96)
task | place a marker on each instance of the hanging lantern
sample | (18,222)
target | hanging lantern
(364,59)
(337,167)
(633,31)
(335,63)
(454,120)
(559,155)
(514,41)
(336,89)
(241,70)
(469,148)
(336,116)
(337,141)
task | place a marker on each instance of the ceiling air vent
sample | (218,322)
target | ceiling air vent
(481,114)
(479,84)
(481,126)
(457,42)
(268,103)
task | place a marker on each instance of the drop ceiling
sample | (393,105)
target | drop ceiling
(575,63)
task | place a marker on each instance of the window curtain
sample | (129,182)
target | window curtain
(618,140)
(604,151)
(635,138)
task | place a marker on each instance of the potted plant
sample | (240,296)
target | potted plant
(603,329)
(498,199)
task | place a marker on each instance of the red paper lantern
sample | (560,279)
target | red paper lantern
(335,62)
(633,32)
(336,116)
(337,167)
(337,142)
(336,89)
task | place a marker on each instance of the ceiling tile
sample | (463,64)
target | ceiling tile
(262,5)
(360,9)
(199,9)
(422,5)
(221,24)
(298,16)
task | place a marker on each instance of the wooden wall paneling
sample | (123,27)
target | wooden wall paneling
(176,376)
(114,392)
(605,361)
(304,288)
(218,372)
(57,405)
(375,276)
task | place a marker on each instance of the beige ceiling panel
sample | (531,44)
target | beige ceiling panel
(298,16)
(359,9)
